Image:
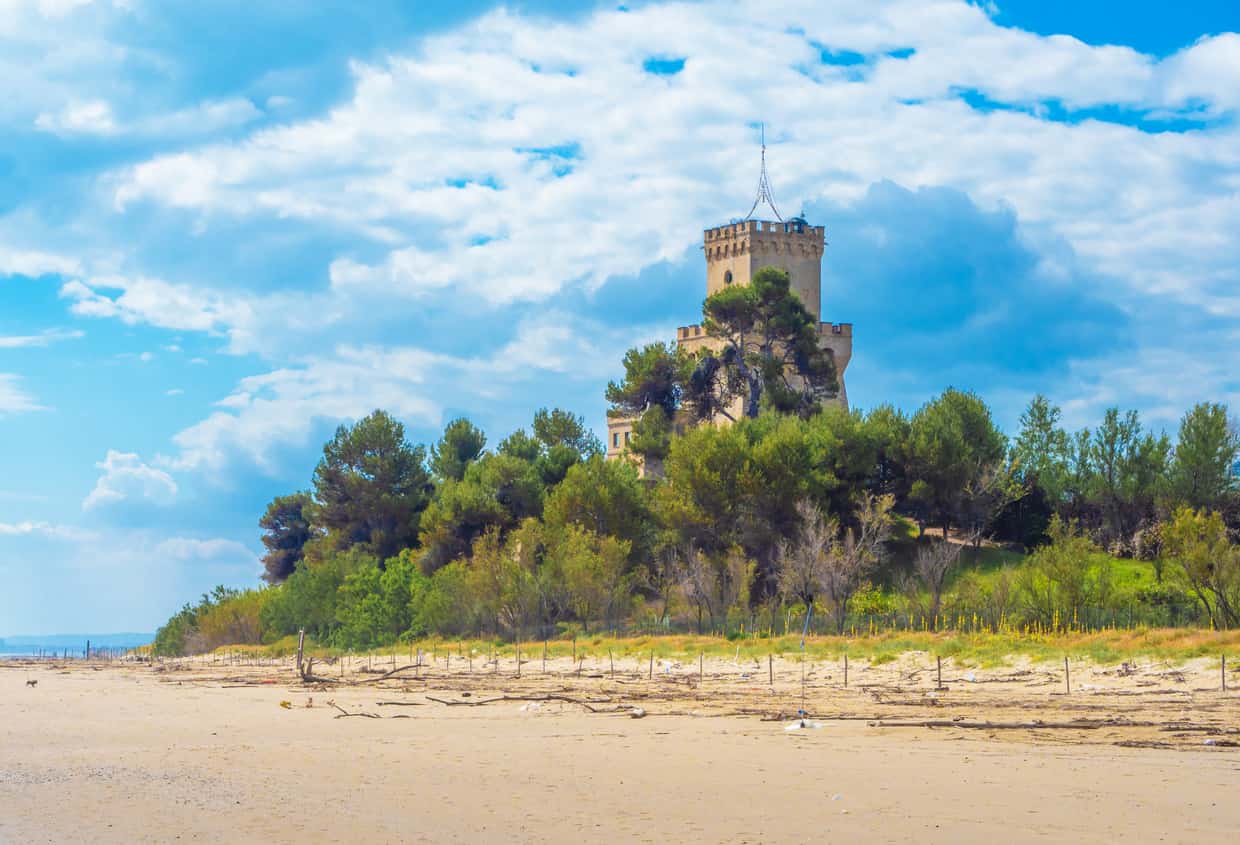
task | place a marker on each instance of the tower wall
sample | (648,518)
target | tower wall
(743,248)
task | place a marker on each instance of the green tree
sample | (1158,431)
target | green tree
(371,487)
(379,606)
(1197,541)
(1064,578)
(594,573)
(1203,469)
(954,448)
(607,498)
(462,443)
(769,352)
(498,491)
(286,530)
(309,597)
(1041,451)
(654,383)
(1129,472)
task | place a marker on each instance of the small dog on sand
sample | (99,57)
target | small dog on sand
(32,683)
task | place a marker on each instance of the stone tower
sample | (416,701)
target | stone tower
(734,253)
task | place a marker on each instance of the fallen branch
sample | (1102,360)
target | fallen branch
(584,702)
(1074,725)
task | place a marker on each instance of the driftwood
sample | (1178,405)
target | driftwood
(1035,725)
(584,702)
(399,704)
(345,713)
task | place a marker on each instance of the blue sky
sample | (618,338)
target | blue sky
(227,228)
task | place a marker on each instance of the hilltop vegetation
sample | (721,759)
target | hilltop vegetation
(797,510)
(542,536)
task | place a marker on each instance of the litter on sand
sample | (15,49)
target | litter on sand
(804,724)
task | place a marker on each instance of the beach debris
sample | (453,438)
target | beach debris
(804,724)
(530,705)
(637,713)
(287,705)
(970,677)
(836,797)
(32,683)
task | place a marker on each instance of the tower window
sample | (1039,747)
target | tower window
(727,277)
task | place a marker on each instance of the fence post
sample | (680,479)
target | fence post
(652,664)
(770,668)
(845,670)
(1067,678)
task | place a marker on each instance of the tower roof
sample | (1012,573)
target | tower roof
(764,185)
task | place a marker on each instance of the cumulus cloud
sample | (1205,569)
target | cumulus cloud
(126,477)
(560,159)
(282,408)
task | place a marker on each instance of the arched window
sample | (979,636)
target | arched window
(727,277)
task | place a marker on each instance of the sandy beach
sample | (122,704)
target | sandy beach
(214,752)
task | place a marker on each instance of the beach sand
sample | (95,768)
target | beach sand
(196,751)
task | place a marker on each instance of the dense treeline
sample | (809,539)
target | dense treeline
(795,507)
(748,524)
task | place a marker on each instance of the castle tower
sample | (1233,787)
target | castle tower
(734,253)
(738,250)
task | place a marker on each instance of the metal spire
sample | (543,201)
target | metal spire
(764,184)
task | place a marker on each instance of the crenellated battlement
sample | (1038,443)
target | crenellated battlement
(764,237)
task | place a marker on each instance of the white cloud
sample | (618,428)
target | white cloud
(96,117)
(126,477)
(557,160)
(246,320)
(281,408)
(44,338)
(32,263)
(14,400)
(44,529)
(176,391)
(91,118)
(187,548)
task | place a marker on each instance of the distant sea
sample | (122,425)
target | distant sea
(21,645)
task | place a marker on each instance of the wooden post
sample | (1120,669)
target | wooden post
(770,667)
(544,657)
(612,657)
(574,648)
(518,658)
(301,647)
(845,670)
(940,672)
(652,664)
(701,667)
(1067,678)
(1224,664)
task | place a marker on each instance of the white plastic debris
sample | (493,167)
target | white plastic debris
(970,677)
(1210,742)
(836,797)
(804,724)
(531,705)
